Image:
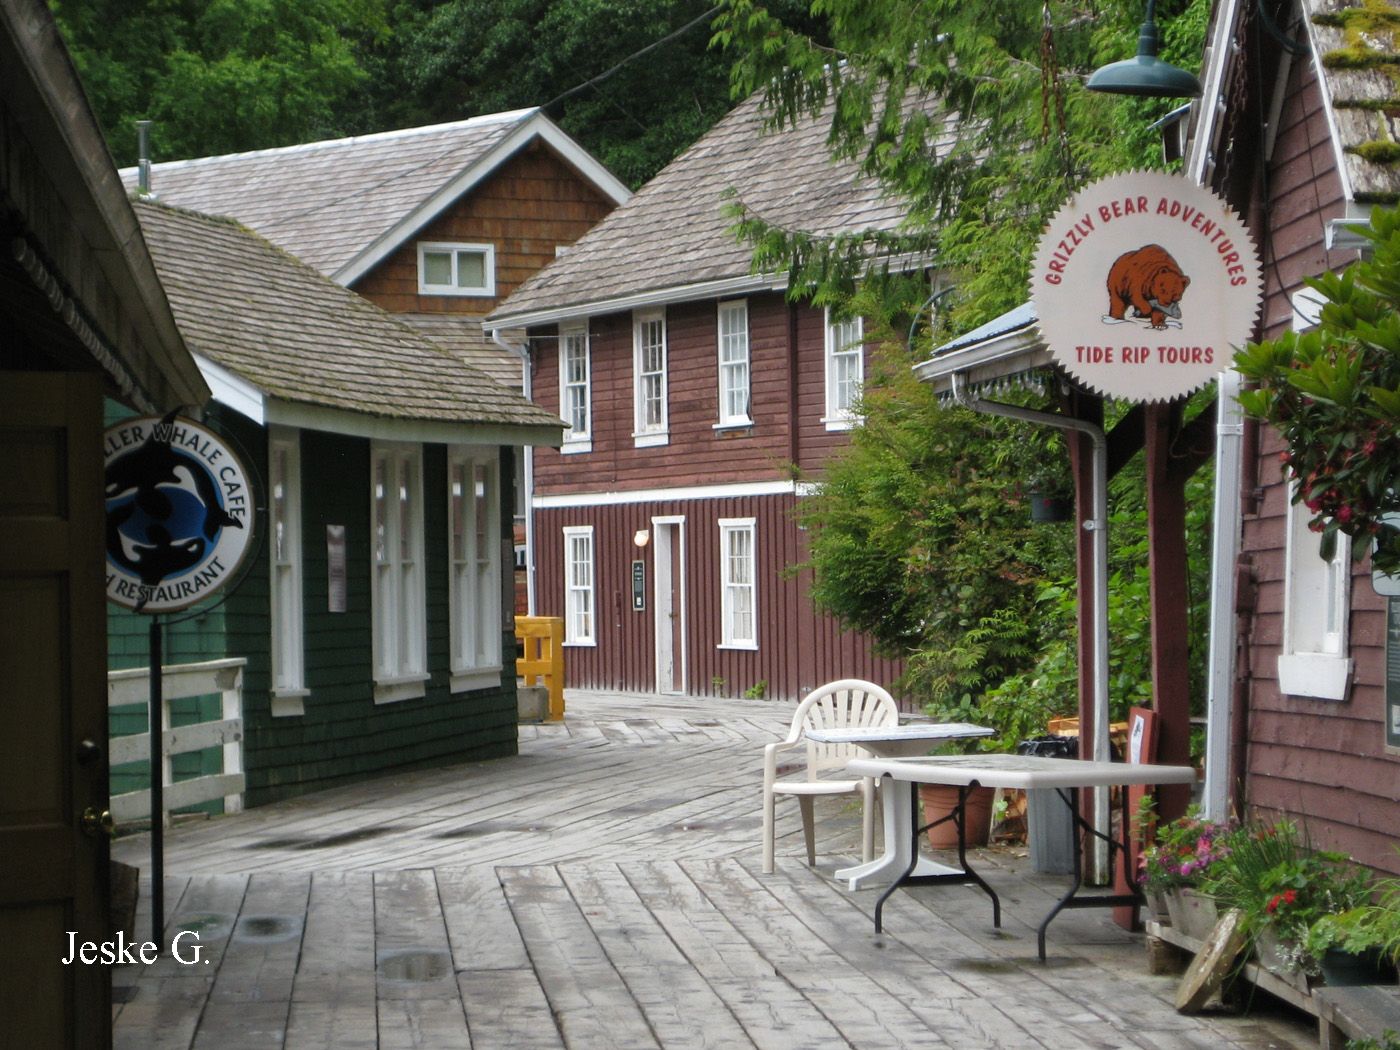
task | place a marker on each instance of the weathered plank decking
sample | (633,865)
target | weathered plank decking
(603,891)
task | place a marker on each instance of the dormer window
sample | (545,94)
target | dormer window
(456,269)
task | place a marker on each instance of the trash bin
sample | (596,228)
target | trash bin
(1049,823)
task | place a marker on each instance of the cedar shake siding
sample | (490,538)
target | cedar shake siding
(796,651)
(1322,762)
(532,205)
(343,736)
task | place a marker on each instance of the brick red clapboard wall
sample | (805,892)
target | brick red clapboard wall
(1323,762)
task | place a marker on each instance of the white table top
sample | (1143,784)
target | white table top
(1019,771)
(906,731)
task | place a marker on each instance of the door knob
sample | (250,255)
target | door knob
(95,823)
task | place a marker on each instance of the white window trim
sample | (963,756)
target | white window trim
(726,527)
(407,678)
(839,418)
(288,622)
(576,441)
(1313,661)
(474,601)
(486,290)
(737,307)
(571,532)
(657,434)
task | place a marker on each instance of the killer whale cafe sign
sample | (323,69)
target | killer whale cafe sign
(179,513)
(1143,284)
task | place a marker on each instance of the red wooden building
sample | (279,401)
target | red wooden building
(1301,720)
(696,395)
(1311,726)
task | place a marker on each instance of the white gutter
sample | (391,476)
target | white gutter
(528,452)
(1098,526)
(1225,542)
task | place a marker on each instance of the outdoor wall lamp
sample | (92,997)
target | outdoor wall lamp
(1145,74)
(641,537)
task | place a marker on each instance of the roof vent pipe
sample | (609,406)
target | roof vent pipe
(143,158)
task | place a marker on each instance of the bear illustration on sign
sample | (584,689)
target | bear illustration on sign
(1149,280)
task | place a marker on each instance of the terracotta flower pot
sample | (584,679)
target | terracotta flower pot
(940,799)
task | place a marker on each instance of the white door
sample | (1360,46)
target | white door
(669,603)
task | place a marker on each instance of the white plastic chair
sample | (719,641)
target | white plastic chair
(847,704)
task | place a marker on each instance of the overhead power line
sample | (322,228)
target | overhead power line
(635,55)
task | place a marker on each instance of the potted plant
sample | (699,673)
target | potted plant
(1348,950)
(1282,887)
(1177,863)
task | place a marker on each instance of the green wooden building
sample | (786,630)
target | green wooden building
(376,618)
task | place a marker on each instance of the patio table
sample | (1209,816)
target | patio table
(909,739)
(1065,775)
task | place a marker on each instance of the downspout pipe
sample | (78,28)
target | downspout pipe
(1097,525)
(522,351)
(1225,543)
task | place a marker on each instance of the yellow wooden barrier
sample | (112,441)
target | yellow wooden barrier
(542,656)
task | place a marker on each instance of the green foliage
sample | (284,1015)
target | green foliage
(757,691)
(221,76)
(1274,879)
(218,76)
(975,114)
(920,537)
(1334,394)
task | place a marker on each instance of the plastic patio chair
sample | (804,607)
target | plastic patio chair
(847,704)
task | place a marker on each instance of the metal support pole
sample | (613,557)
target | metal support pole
(157,763)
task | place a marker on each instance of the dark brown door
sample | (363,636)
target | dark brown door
(53,696)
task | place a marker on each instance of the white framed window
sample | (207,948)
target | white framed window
(1317,604)
(649,384)
(845,371)
(733,340)
(738,587)
(456,269)
(397,571)
(580,610)
(1314,661)
(284,521)
(474,567)
(575,390)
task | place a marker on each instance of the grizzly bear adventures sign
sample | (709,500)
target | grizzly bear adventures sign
(1143,284)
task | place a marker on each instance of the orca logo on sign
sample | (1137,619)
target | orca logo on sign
(179,513)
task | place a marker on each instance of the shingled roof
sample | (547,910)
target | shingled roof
(297,336)
(1358,55)
(672,240)
(343,204)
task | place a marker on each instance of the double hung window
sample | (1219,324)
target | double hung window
(845,371)
(579,605)
(738,590)
(649,369)
(397,580)
(284,513)
(734,364)
(474,556)
(575,393)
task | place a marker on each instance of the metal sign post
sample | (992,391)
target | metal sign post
(180,508)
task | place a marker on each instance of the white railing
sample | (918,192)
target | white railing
(179,681)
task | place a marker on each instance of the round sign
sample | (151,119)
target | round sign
(1143,284)
(179,513)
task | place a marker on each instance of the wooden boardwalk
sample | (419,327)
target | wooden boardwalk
(602,892)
